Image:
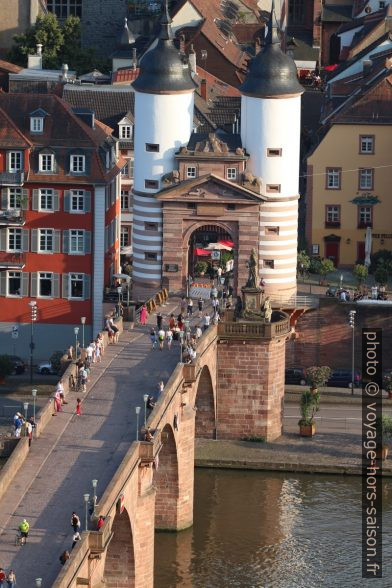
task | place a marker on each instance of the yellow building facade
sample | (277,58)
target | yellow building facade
(349,188)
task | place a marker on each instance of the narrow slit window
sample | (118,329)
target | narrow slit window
(273,188)
(151,184)
(272,152)
(153,147)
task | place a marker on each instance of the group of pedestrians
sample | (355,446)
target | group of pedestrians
(7,580)
(23,427)
(76,524)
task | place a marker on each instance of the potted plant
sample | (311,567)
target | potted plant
(386,435)
(317,376)
(387,384)
(6,367)
(309,405)
(201,267)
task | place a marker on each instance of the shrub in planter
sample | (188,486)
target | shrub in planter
(309,405)
(6,367)
(317,376)
(201,267)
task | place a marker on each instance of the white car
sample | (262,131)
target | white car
(45,368)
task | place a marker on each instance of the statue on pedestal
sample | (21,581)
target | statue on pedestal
(252,267)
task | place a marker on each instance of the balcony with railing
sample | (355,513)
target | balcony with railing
(256,329)
(12,217)
(12,261)
(12,178)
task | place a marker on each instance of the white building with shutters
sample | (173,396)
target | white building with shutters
(59,222)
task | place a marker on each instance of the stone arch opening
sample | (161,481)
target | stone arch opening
(120,557)
(166,483)
(205,406)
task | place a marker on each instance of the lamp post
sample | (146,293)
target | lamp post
(119,292)
(94,485)
(137,410)
(145,398)
(34,395)
(38,582)
(83,321)
(128,280)
(76,331)
(181,335)
(341,281)
(86,499)
(26,408)
(33,318)
(351,316)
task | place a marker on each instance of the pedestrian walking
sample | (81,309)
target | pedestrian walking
(183,305)
(100,523)
(56,402)
(83,377)
(29,434)
(214,293)
(75,538)
(60,388)
(198,332)
(143,315)
(161,387)
(2,578)
(75,522)
(11,579)
(18,424)
(159,321)
(206,322)
(78,407)
(169,338)
(190,307)
(161,338)
(200,304)
(153,338)
(97,352)
(172,322)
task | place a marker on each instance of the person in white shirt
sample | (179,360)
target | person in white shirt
(198,332)
(207,320)
(169,338)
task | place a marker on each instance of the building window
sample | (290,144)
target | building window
(332,216)
(14,240)
(150,256)
(77,200)
(46,162)
(333,178)
(76,241)
(365,216)
(315,249)
(272,230)
(65,8)
(46,199)
(231,173)
(190,172)
(231,207)
(45,284)
(366,144)
(153,147)
(46,240)
(14,285)
(151,184)
(14,198)
(78,164)
(191,205)
(125,170)
(125,132)
(366,177)
(36,124)
(130,167)
(76,285)
(381,4)
(125,200)
(124,237)
(274,153)
(271,188)
(15,161)
(268,263)
(150,226)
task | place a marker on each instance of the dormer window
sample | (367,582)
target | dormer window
(78,164)
(125,131)
(36,124)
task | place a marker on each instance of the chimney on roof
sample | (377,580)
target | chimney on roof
(366,67)
(192,59)
(35,61)
(134,58)
(64,72)
(203,89)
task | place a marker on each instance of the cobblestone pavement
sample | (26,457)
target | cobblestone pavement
(74,450)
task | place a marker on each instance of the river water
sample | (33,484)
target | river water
(267,530)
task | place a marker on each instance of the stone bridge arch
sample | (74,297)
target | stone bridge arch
(119,568)
(166,481)
(205,405)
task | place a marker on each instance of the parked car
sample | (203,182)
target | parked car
(18,363)
(295,376)
(342,378)
(45,368)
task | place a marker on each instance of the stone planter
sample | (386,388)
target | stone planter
(307,430)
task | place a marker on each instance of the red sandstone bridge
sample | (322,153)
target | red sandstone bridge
(234,389)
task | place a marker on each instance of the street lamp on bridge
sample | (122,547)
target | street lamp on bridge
(33,318)
(137,410)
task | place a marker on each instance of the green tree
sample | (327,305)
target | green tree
(360,272)
(381,274)
(303,262)
(326,267)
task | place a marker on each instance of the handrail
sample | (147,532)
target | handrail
(253,330)
(297,301)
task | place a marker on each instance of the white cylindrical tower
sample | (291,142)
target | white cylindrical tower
(163,123)
(270,133)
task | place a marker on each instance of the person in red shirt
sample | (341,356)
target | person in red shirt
(2,578)
(100,523)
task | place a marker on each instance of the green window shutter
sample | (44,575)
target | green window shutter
(34,285)
(87,202)
(67,200)
(66,241)
(24,204)
(3,239)
(65,286)
(35,203)
(25,240)
(87,241)
(25,284)
(57,241)
(56,200)
(3,283)
(4,198)
(86,287)
(34,240)
(56,286)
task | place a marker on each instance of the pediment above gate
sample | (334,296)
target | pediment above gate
(209,188)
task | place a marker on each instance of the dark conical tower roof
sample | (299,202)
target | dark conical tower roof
(126,38)
(162,69)
(271,72)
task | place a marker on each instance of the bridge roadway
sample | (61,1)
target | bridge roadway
(74,450)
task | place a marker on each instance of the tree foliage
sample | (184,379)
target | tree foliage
(360,272)
(326,267)
(61,44)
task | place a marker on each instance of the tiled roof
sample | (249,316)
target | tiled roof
(247,33)
(125,75)
(10,135)
(6,66)
(215,86)
(373,106)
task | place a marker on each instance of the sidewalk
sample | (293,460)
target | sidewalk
(74,450)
